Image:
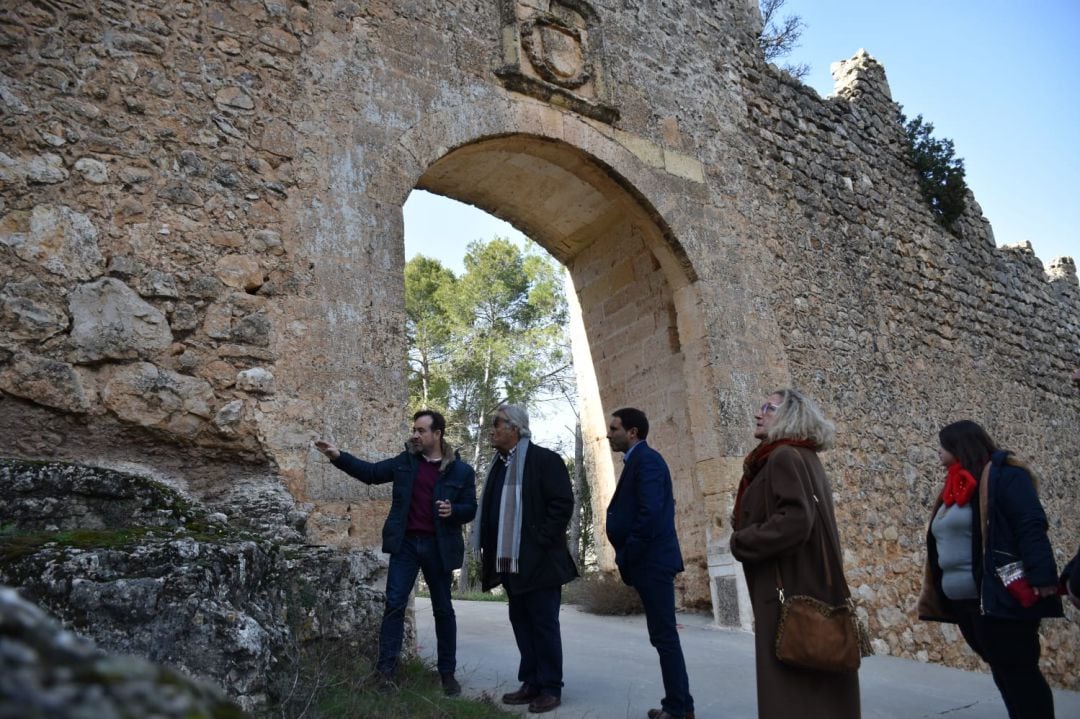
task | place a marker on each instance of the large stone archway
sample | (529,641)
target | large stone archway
(602,203)
(630,280)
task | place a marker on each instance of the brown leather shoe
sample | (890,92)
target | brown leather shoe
(544,703)
(524,695)
(661,714)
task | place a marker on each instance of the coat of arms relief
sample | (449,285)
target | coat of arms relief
(553,50)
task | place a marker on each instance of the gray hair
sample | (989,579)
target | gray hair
(518,417)
(799,417)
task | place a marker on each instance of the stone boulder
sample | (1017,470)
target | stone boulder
(149,396)
(32,311)
(240,272)
(46,381)
(46,671)
(257,380)
(57,238)
(111,321)
(224,596)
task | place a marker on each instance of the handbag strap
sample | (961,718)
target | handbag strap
(824,558)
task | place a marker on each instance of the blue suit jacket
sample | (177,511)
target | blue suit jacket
(641,516)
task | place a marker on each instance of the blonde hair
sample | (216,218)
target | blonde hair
(799,417)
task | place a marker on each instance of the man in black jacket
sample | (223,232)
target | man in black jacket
(434,494)
(521,533)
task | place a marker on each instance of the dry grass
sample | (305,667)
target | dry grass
(603,593)
(333,681)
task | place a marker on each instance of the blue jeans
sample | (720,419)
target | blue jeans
(657,590)
(418,553)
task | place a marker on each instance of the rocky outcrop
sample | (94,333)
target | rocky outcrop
(222,593)
(46,671)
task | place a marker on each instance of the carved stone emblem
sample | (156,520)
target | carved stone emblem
(553,50)
(556,51)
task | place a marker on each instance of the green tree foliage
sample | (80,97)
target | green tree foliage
(941,173)
(428,287)
(495,334)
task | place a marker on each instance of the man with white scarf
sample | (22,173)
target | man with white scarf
(521,534)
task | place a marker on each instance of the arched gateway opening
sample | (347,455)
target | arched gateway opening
(633,305)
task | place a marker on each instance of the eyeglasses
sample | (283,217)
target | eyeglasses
(769,407)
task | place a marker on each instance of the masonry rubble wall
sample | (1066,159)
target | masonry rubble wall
(200,234)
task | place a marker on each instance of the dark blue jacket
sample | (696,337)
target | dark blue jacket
(641,516)
(1011,526)
(456,482)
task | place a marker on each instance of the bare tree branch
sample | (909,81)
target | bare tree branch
(780,36)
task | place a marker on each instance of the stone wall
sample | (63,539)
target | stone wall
(901,327)
(201,245)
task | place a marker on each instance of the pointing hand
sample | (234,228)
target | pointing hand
(328,449)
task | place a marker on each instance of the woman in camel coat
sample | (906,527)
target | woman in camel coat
(778,526)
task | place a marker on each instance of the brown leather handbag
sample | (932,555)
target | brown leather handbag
(812,634)
(816,635)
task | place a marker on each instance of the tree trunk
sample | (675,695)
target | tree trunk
(465,578)
(579,476)
(425,375)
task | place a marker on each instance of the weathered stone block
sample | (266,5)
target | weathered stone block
(152,397)
(45,381)
(109,320)
(56,237)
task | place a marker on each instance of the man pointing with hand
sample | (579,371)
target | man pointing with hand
(434,494)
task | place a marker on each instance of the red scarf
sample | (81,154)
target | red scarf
(959,486)
(756,459)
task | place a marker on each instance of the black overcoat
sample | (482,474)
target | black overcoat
(547,497)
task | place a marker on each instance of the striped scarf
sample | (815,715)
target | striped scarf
(508,528)
(510,512)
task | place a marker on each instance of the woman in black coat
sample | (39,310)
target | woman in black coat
(990,569)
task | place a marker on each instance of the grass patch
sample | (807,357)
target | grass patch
(332,682)
(17,544)
(477,596)
(603,593)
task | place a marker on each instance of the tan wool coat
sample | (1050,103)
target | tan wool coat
(778,526)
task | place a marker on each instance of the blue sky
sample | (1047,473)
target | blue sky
(1000,78)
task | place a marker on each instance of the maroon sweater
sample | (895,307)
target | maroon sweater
(422,507)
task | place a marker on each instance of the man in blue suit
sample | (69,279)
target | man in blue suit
(641,528)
